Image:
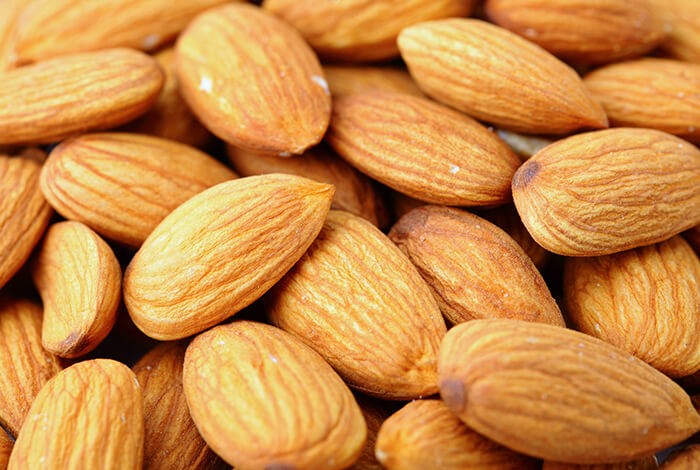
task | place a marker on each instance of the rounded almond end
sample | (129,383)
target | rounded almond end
(453,394)
(525,174)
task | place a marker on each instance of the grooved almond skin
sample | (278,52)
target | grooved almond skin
(422,149)
(6,444)
(685,459)
(473,268)
(253,81)
(122,185)
(525,385)
(349,79)
(647,463)
(657,93)
(683,17)
(171,439)
(645,301)
(496,76)
(426,434)
(361,30)
(220,251)
(604,192)
(89,416)
(582,31)
(55,99)
(79,280)
(262,399)
(356,300)
(24,365)
(24,213)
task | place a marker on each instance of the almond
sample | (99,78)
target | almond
(122,185)
(516,382)
(357,300)
(693,237)
(422,149)
(262,399)
(220,251)
(608,191)
(687,458)
(89,416)
(52,100)
(496,76)
(349,79)
(462,257)
(683,27)
(6,444)
(253,81)
(647,463)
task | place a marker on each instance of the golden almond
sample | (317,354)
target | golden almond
(351,79)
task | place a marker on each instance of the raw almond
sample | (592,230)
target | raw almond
(357,300)
(349,79)
(422,149)
(262,399)
(608,191)
(525,385)
(473,268)
(89,416)
(52,100)
(220,251)
(496,76)
(122,185)
(647,463)
(253,81)
(687,458)
(683,27)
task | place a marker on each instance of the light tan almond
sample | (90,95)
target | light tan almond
(360,303)
(253,81)
(6,444)
(496,76)
(89,416)
(687,458)
(423,149)
(608,191)
(682,19)
(473,268)
(122,185)
(262,399)
(525,385)
(221,250)
(351,79)
(52,100)
(647,463)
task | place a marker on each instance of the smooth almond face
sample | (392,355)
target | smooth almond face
(348,80)
(515,382)
(262,399)
(498,77)
(253,81)
(220,251)
(608,191)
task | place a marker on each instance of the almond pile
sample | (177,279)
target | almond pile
(317,234)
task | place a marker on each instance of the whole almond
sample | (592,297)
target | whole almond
(262,399)
(349,79)
(682,19)
(89,416)
(220,251)
(496,76)
(253,81)
(687,458)
(462,258)
(608,191)
(122,185)
(422,149)
(515,382)
(647,463)
(52,100)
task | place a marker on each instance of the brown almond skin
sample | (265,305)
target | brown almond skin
(684,459)
(6,444)
(122,185)
(236,239)
(263,399)
(252,80)
(351,79)
(608,191)
(474,269)
(25,366)
(682,19)
(89,416)
(498,77)
(422,149)
(57,98)
(171,439)
(359,302)
(515,382)
(647,463)
(24,213)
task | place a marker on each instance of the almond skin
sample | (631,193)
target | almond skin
(647,463)
(89,416)
(422,149)
(253,81)
(608,191)
(349,79)
(684,459)
(498,77)
(473,268)
(220,251)
(262,399)
(122,185)
(515,382)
